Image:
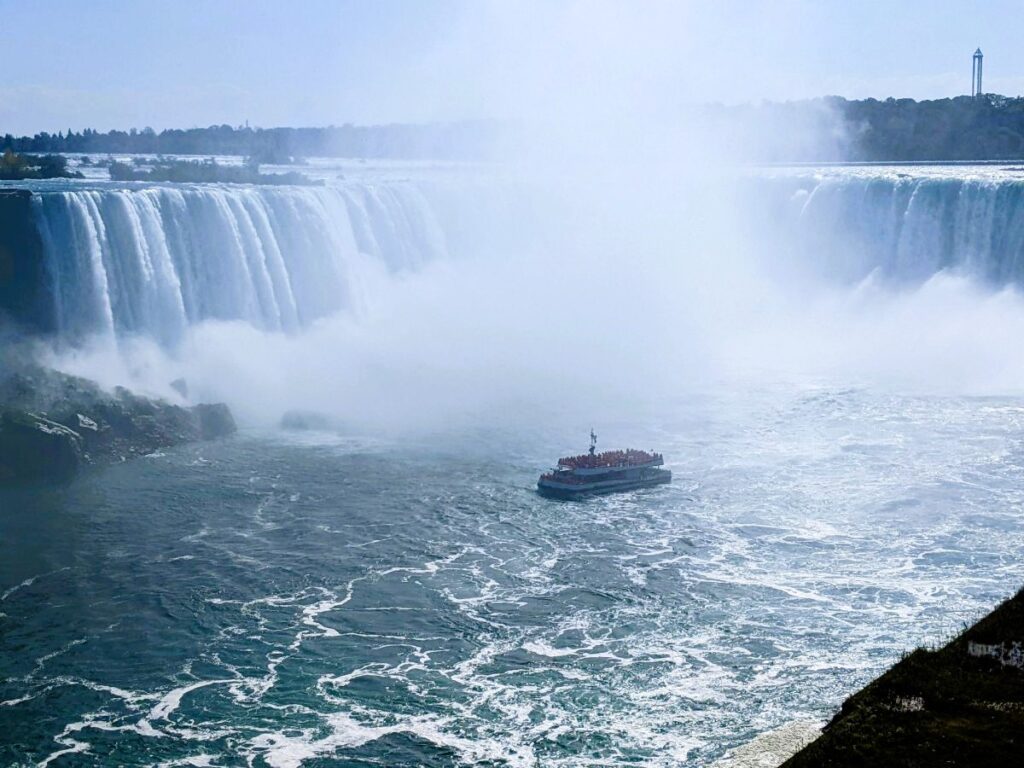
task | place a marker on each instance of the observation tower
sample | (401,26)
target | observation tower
(976,74)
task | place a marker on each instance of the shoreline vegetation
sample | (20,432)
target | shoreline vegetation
(204,171)
(277,146)
(834,129)
(15,167)
(827,129)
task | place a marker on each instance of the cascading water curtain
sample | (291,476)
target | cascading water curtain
(154,261)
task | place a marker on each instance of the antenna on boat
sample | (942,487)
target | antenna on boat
(593,441)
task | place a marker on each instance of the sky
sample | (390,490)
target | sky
(105,64)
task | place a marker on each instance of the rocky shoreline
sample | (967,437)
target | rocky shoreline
(959,705)
(773,747)
(54,425)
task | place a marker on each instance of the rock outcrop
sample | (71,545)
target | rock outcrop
(960,705)
(52,425)
(215,420)
(308,420)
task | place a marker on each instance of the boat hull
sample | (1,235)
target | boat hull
(646,479)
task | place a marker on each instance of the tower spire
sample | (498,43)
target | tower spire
(976,74)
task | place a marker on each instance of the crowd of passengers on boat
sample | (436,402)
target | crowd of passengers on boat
(625,458)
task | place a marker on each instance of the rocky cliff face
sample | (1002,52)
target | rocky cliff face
(52,425)
(960,705)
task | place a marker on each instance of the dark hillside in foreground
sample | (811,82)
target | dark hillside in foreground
(962,705)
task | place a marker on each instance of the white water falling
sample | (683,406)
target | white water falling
(153,261)
(903,226)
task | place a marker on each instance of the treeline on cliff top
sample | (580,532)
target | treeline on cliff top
(986,128)
(465,140)
(990,127)
(816,130)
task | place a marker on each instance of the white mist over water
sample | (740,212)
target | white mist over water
(606,299)
(580,314)
(640,267)
(607,285)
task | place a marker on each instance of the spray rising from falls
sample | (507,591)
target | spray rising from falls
(152,262)
(418,273)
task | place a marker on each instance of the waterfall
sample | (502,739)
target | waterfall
(853,223)
(153,261)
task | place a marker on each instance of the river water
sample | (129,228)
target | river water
(322,599)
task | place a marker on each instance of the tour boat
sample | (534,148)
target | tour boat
(606,472)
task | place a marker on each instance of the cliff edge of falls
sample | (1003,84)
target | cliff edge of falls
(53,425)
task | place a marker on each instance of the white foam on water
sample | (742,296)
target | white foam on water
(17,701)
(29,582)
(193,761)
(281,750)
(41,661)
(541,648)
(71,746)
(26,583)
(132,697)
(340,681)
(172,700)
(311,613)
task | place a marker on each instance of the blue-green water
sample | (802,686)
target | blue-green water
(318,600)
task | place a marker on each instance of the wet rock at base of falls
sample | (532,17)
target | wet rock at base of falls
(34,450)
(54,424)
(215,420)
(309,420)
(181,387)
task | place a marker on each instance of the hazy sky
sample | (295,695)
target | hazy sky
(104,64)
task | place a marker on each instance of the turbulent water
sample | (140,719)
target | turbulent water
(277,601)
(311,599)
